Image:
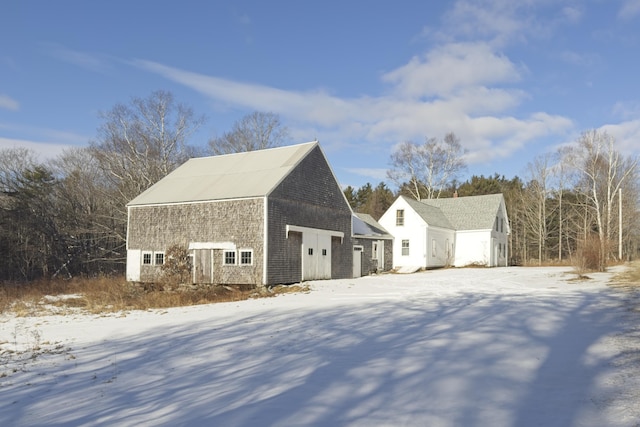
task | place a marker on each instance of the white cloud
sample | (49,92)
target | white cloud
(629,9)
(8,103)
(43,150)
(449,68)
(88,61)
(458,87)
(627,135)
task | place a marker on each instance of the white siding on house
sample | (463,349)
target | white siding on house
(439,247)
(414,230)
(472,247)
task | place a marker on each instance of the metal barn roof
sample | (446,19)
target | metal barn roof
(231,176)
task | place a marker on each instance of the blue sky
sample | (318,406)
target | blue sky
(511,79)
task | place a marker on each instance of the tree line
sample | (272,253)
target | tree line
(579,204)
(67,216)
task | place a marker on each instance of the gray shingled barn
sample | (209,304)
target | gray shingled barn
(272,216)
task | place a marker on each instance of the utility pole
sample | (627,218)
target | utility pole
(620,224)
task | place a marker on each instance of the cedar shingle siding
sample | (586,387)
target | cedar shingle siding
(308,197)
(156,228)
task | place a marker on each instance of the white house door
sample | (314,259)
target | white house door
(357,261)
(316,256)
(377,253)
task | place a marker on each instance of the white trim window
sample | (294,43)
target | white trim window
(147,258)
(400,217)
(229,258)
(405,248)
(158,258)
(246,257)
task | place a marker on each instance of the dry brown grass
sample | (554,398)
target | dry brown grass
(629,278)
(114,294)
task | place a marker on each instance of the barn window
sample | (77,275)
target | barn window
(159,258)
(405,248)
(146,258)
(229,257)
(400,217)
(246,257)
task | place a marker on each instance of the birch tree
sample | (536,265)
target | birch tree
(604,170)
(255,131)
(140,143)
(427,169)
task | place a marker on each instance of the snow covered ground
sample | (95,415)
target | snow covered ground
(457,347)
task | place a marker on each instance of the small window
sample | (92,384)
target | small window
(400,217)
(230,257)
(405,248)
(502,225)
(324,252)
(159,258)
(146,258)
(310,251)
(434,246)
(497,223)
(246,257)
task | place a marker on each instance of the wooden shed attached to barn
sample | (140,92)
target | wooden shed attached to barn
(272,216)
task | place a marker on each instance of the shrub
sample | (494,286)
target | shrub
(176,269)
(588,255)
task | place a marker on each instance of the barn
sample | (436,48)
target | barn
(272,216)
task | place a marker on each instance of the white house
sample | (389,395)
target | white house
(459,231)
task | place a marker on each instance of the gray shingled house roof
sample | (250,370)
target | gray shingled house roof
(460,213)
(432,215)
(231,176)
(466,213)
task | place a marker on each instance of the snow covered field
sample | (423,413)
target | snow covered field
(458,347)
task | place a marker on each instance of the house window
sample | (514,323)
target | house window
(146,258)
(324,252)
(159,258)
(229,257)
(400,217)
(310,251)
(246,257)
(502,225)
(405,248)
(497,222)
(433,247)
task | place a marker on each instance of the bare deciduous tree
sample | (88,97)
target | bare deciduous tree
(140,143)
(603,170)
(427,168)
(255,131)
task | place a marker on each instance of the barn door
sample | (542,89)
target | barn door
(203,266)
(357,261)
(316,256)
(377,254)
